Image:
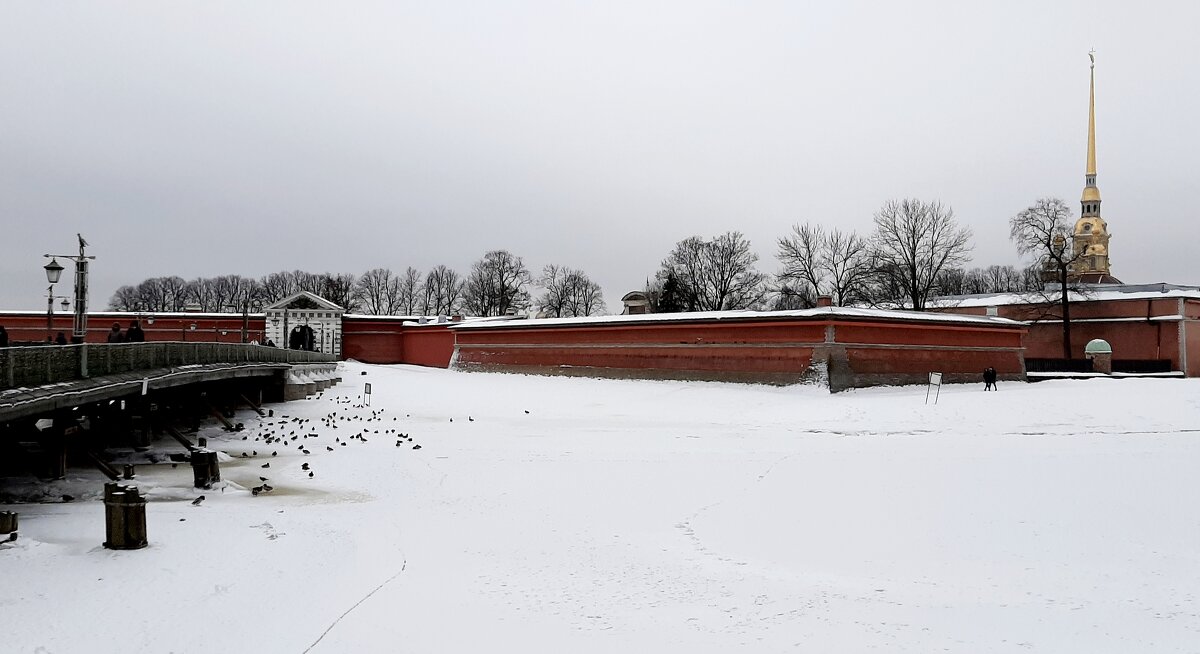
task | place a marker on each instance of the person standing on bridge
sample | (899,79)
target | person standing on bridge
(115,336)
(61,339)
(3,336)
(135,334)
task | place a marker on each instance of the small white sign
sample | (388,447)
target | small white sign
(935,380)
(367,388)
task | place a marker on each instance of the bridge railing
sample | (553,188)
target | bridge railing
(53,364)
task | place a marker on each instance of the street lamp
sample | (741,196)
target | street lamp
(54,270)
(53,273)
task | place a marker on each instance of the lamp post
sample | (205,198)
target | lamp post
(50,298)
(53,270)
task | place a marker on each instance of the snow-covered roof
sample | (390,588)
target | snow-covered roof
(1090,294)
(850,313)
(321,302)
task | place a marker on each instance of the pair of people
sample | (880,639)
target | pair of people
(133,335)
(989,379)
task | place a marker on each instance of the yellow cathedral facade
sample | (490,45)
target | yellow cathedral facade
(1090,238)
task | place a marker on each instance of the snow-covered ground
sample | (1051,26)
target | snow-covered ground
(580,515)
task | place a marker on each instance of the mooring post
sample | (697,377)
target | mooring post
(128,471)
(205,468)
(124,518)
(8,522)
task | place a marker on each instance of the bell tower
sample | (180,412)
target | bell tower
(1090,238)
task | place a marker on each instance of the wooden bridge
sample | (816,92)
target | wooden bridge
(43,379)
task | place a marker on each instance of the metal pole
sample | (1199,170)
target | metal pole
(50,313)
(81,292)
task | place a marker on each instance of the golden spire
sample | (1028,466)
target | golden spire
(1091,194)
(1091,155)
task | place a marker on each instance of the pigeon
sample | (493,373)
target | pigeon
(304,466)
(266,465)
(329,448)
(256,490)
(526,411)
(310,475)
(306,451)
(262,478)
(267,489)
(197,501)
(470,419)
(417,446)
(273,454)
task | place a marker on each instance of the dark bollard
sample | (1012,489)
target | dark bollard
(205,469)
(8,522)
(124,518)
(128,471)
(270,413)
(202,441)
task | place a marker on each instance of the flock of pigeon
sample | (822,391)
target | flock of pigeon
(302,433)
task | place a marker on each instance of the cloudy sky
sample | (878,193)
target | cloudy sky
(206,138)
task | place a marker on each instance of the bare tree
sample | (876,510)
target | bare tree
(409,291)
(1044,231)
(338,288)
(278,286)
(801,254)
(913,242)
(816,262)
(442,292)
(497,283)
(716,275)
(569,293)
(377,292)
(124,299)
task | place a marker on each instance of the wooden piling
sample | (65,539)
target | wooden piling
(205,468)
(124,518)
(8,522)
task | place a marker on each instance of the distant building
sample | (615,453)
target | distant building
(636,303)
(305,321)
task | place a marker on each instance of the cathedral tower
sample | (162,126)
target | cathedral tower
(1090,239)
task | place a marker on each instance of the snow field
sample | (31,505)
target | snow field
(650,516)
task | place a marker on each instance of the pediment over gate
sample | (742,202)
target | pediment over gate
(304,300)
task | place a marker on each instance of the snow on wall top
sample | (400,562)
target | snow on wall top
(744,316)
(1093,294)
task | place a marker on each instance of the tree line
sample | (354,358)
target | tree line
(497,284)
(915,252)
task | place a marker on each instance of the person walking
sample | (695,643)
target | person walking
(135,334)
(3,336)
(115,335)
(989,379)
(61,339)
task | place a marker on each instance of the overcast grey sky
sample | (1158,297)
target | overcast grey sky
(208,138)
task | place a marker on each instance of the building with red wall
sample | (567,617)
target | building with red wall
(1143,323)
(848,347)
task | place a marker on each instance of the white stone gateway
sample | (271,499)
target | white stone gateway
(305,321)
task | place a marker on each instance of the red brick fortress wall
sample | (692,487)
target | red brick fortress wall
(853,348)
(29,326)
